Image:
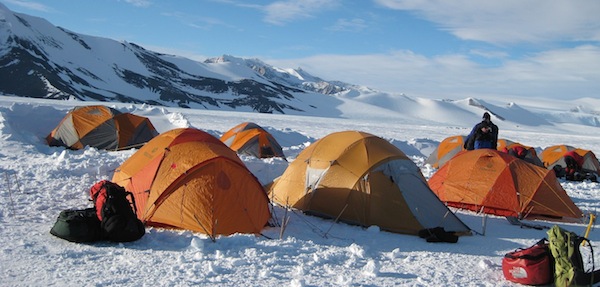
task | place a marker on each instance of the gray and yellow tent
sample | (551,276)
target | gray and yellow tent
(363,179)
(554,155)
(251,139)
(447,148)
(101,127)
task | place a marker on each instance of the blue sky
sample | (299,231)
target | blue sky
(434,49)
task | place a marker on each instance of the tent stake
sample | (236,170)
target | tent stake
(12,204)
(336,220)
(284,223)
(483,224)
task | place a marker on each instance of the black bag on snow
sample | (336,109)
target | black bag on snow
(438,234)
(119,221)
(78,226)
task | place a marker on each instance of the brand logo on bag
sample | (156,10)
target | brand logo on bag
(518,272)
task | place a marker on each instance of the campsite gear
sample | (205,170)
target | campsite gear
(188,179)
(515,221)
(569,267)
(555,155)
(78,226)
(531,266)
(447,149)
(101,127)
(437,234)
(494,182)
(116,212)
(590,224)
(362,179)
(251,139)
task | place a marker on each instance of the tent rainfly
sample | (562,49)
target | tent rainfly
(188,179)
(362,179)
(447,148)
(495,182)
(101,127)
(251,139)
(554,155)
(531,156)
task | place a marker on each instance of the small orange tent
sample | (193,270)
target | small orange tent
(101,127)
(506,145)
(362,179)
(188,179)
(554,155)
(447,148)
(494,182)
(251,139)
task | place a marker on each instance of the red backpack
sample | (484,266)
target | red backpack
(115,208)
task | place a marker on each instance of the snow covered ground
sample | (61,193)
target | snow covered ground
(37,182)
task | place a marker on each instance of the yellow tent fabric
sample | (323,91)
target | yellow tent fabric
(188,179)
(362,179)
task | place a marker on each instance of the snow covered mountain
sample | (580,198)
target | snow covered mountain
(44,61)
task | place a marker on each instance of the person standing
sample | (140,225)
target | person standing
(574,163)
(483,135)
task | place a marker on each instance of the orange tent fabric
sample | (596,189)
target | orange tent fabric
(554,155)
(101,127)
(362,179)
(447,148)
(188,179)
(494,182)
(251,139)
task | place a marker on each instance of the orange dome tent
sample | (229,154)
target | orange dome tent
(447,148)
(554,155)
(494,182)
(362,179)
(188,179)
(505,145)
(101,127)
(251,139)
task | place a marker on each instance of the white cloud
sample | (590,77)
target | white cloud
(488,54)
(510,21)
(281,12)
(30,5)
(352,25)
(139,3)
(560,73)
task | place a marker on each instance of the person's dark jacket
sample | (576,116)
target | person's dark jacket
(478,138)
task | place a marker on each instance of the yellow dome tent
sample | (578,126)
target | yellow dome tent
(362,179)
